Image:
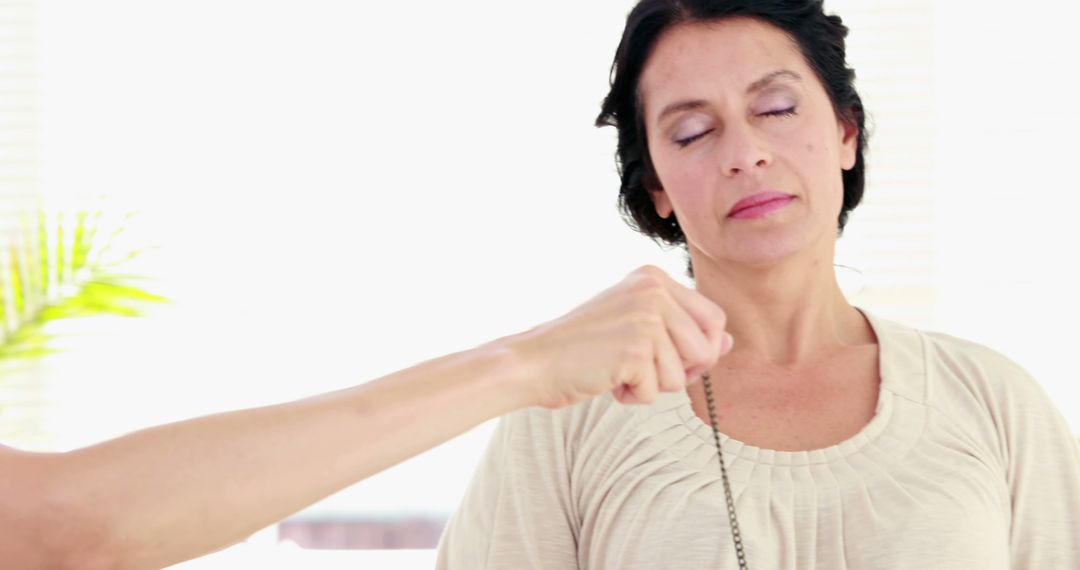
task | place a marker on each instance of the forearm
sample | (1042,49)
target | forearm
(173,492)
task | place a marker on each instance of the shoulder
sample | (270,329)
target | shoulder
(588,433)
(967,381)
(571,423)
(973,388)
(965,369)
(953,351)
(975,364)
(942,358)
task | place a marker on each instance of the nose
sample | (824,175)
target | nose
(741,150)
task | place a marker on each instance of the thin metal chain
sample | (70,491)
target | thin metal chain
(735,536)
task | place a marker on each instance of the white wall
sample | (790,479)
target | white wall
(1007,185)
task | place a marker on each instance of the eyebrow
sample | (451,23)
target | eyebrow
(754,87)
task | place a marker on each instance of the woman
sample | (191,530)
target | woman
(827,437)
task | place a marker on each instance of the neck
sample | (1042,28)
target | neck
(787,314)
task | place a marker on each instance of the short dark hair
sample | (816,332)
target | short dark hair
(820,38)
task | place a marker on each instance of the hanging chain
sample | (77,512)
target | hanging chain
(735,536)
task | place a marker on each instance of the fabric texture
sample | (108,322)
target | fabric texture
(966,464)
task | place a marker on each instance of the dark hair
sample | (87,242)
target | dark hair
(820,39)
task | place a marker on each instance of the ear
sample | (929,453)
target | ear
(849,142)
(661,203)
(656,192)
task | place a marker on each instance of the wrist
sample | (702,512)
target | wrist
(514,369)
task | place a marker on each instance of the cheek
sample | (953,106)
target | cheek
(828,177)
(818,150)
(816,155)
(821,180)
(688,193)
(685,181)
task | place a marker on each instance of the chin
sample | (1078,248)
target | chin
(765,248)
(763,255)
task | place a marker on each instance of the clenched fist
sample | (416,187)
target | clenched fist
(644,335)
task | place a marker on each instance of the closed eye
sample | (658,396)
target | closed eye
(780,113)
(683,143)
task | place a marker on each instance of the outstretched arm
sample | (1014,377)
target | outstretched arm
(173,492)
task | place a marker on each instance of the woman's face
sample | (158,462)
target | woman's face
(732,111)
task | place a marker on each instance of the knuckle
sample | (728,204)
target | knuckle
(636,349)
(647,396)
(668,382)
(645,322)
(624,372)
(648,276)
(709,343)
(700,353)
(650,301)
(649,270)
(721,315)
(646,285)
(716,315)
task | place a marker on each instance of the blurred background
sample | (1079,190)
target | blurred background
(329,191)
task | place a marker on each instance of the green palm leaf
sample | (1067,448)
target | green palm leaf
(45,281)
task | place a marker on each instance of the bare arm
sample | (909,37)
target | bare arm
(173,492)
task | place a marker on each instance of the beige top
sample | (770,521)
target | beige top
(965,465)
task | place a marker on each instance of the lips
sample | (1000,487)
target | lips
(759,199)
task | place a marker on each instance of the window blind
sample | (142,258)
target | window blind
(21,392)
(890,238)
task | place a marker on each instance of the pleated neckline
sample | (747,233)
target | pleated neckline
(902,372)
